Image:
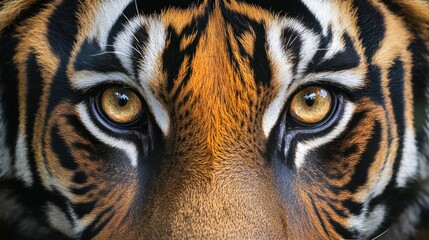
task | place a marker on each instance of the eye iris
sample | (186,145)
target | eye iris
(121,105)
(311,105)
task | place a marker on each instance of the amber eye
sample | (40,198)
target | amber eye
(121,105)
(311,105)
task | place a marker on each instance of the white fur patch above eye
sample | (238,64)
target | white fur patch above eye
(127,147)
(150,70)
(86,79)
(324,11)
(124,48)
(283,75)
(106,17)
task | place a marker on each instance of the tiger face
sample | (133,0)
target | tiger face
(215,119)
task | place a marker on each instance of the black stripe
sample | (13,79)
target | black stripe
(258,60)
(62,151)
(92,57)
(81,209)
(173,57)
(127,14)
(420,76)
(346,234)
(150,7)
(292,43)
(396,87)
(34,95)
(80,177)
(321,51)
(62,29)
(315,210)
(96,226)
(374,90)
(371,25)
(291,8)
(83,190)
(362,168)
(346,59)
(139,44)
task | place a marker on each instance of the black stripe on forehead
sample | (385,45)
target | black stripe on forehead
(173,57)
(148,7)
(291,8)
(259,61)
(92,57)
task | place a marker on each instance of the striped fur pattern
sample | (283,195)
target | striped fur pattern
(217,156)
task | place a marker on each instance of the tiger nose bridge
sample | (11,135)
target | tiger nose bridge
(237,201)
(227,190)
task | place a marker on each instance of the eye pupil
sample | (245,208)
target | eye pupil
(122,98)
(310,99)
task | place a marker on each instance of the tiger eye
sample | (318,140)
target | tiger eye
(311,105)
(121,105)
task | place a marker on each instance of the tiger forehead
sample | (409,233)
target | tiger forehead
(217,48)
(232,12)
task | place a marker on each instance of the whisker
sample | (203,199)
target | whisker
(381,234)
(137,8)
(130,45)
(107,52)
(134,36)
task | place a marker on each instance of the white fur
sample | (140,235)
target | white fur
(282,74)
(303,148)
(324,11)
(151,68)
(85,79)
(22,167)
(409,163)
(309,47)
(346,78)
(367,223)
(107,15)
(127,147)
(124,40)
(78,225)
(327,14)
(59,220)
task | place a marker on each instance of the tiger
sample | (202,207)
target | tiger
(214,119)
